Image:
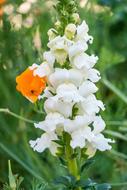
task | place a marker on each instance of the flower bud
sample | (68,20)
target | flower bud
(70,30)
(76,17)
(57,24)
(24,8)
(51,34)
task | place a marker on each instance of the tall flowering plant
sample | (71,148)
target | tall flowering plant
(66,80)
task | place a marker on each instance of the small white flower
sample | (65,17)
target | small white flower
(24,8)
(44,142)
(87,88)
(51,122)
(66,76)
(101,143)
(63,108)
(59,47)
(70,30)
(83,60)
(82,33)
(77,49)
(68,93)
(80,137)
(78,123)
(91,105)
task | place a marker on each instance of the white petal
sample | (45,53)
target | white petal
(94,75)
(77,49)
(101,143)
(42,70)
(51,122)
(34,66)
(82,29)
(68,93)
(71,126)
(91,105)
(49,57)
(66,76)
(87,88)
(44,142)
(98,124)
(79,137)
(52,105)
(81,60)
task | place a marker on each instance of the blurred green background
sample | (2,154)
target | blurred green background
(107,20)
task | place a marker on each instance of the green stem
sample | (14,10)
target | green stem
(71,161)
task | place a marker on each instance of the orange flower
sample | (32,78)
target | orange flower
(29,85)
(2,2)
(1,12)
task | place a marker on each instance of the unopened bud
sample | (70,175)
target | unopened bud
(76,17)
(70,31)
(51,34)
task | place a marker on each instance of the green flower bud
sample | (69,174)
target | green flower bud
(70,30)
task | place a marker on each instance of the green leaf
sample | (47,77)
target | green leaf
(12,180)
(68,181)
(87,164)
(85,183)
(104,186)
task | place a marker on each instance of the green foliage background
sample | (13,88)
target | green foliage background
(107,20)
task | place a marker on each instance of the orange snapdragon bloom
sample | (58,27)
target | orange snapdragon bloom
(29,85)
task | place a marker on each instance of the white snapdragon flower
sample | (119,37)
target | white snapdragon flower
(98,142)
(80,137)
(63,108)
(59,47)
(77,49)
(87,88)
(66,76)
(44,142)
(91,105)
(82,33)
(51,122)
(82,60)
(68,93)
(78,123)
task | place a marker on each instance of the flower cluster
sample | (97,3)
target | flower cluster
(68,79)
